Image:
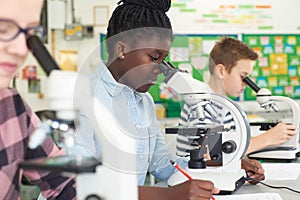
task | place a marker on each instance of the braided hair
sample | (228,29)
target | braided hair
(138,14)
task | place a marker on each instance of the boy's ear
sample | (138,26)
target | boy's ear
(220,71)
(120,49)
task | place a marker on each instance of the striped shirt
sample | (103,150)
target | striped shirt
(17,122)
(190,117)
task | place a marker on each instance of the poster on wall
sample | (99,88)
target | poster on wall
(278,66)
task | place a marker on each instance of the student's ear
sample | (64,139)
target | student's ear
(120,49)
(220,71)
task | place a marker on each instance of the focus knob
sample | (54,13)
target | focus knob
(229,146)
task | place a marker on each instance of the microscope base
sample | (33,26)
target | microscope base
(227,182)
(277,153)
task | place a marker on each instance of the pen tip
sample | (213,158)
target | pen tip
(172,162)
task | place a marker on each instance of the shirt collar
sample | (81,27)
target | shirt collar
(113,87)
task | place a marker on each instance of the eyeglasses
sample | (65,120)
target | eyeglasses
(9,30)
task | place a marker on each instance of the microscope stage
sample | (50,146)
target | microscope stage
(70,164)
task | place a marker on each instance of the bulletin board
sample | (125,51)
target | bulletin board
(188,52)
(278,66)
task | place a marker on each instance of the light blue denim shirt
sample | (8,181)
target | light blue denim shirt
(136,112)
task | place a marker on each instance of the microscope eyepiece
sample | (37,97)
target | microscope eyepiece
(166,67)
(42,55)
(251,84)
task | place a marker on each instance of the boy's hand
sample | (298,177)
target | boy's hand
(280,133)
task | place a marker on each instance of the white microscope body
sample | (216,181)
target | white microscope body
(116,178)
(68,94)
(289,149)
(229,176)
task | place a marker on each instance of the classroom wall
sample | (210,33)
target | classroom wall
(83,11)
(200,17)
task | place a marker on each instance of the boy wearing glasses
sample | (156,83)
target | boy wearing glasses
(18,20)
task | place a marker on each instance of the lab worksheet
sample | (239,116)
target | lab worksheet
(257,196)
(281,171)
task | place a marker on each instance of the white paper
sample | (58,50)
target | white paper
(199,62)
(257,196)
(179,54)
(207,46)
(281,171)
(100,15)
(57,14)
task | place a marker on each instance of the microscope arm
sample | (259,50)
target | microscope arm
(294,141)
(264,96)
(267,101)
(229,176)
(195,91)
(293,105)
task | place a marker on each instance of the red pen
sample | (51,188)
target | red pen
(180,169)
(184,172)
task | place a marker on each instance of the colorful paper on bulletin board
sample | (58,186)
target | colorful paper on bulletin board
(278,65)
(189,52)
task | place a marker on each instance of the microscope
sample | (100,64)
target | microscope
(228,176)
(69,94)
(288,150)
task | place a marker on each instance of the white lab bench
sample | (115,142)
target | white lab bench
(284,193)
(246,188)
(259,188)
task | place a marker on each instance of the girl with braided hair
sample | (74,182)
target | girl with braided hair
(139,37)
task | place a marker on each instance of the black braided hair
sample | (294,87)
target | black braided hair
(138,14)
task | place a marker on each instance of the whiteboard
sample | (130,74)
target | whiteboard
(202,16)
